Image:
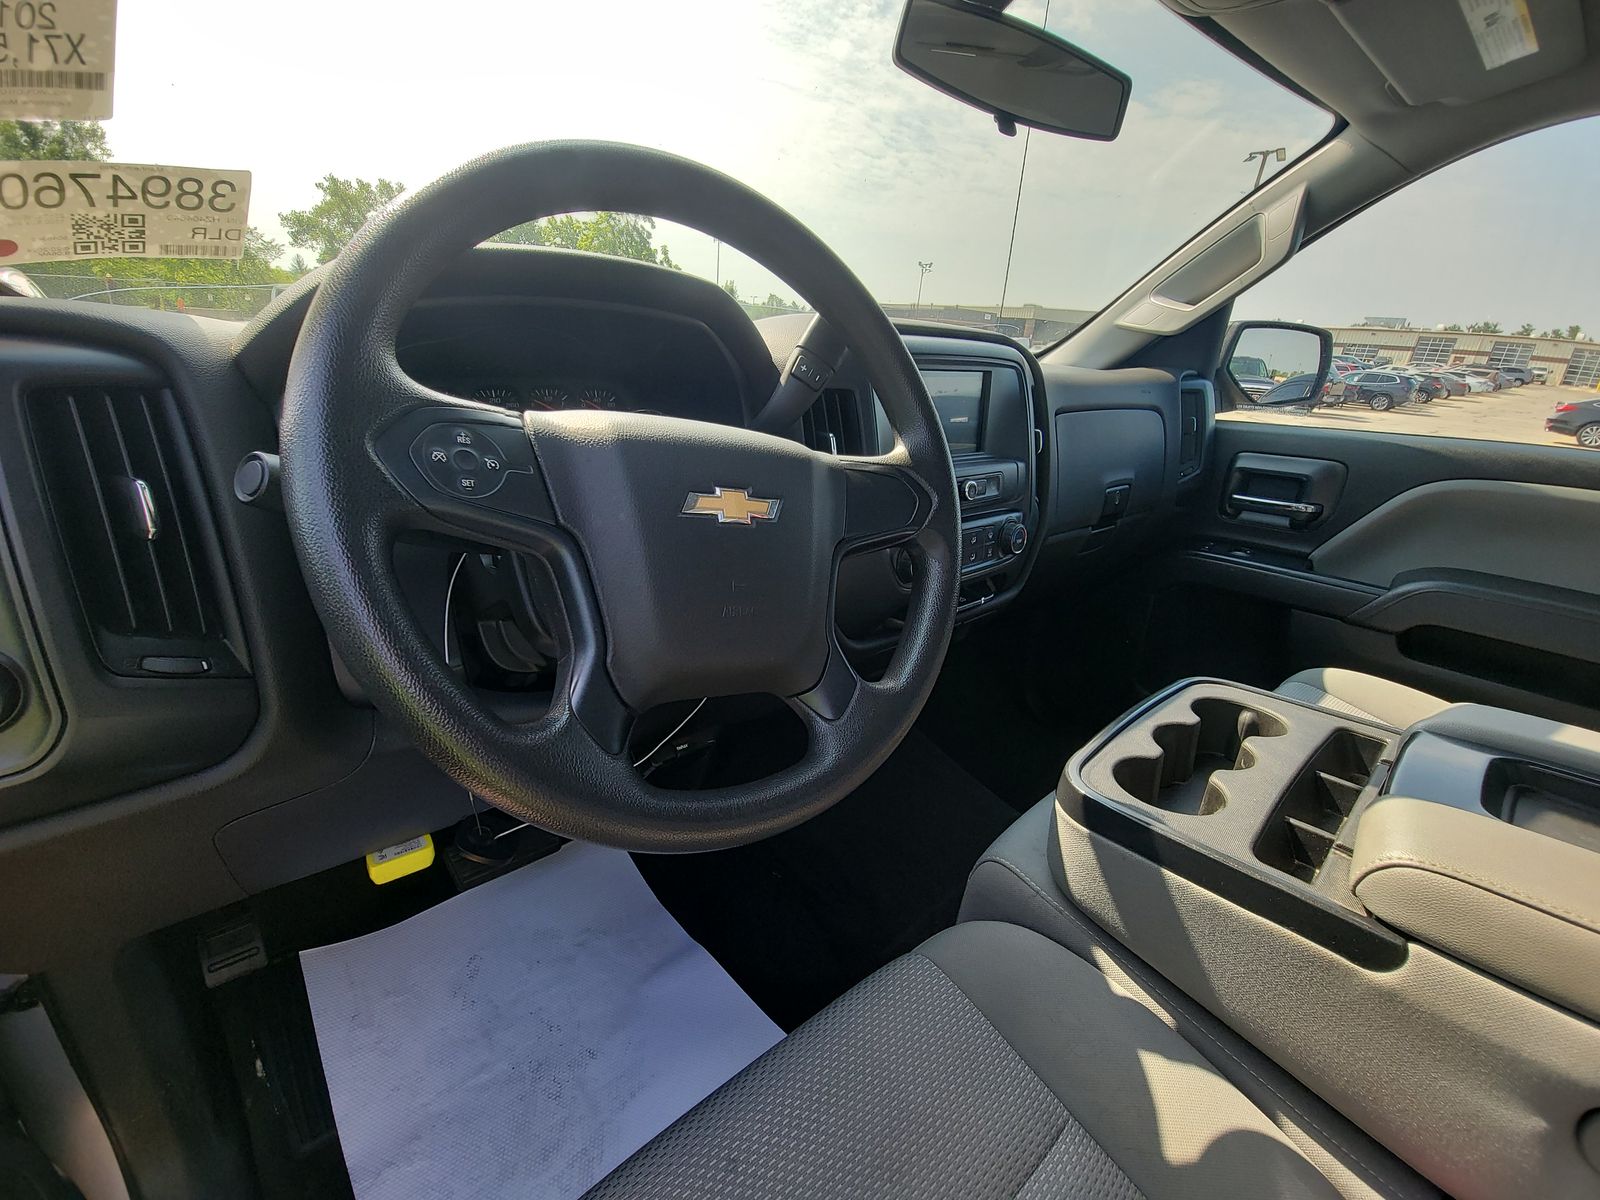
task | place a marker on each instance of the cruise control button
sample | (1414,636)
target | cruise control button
(471,461)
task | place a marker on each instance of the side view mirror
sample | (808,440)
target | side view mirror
(1015,71)
(1270,363)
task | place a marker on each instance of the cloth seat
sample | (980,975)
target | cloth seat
(1359,695)
(989,1062)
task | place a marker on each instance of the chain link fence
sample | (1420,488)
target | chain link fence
(232,301)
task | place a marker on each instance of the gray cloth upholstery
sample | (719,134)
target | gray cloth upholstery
(990,1062)
(1013,882)
(1369,697)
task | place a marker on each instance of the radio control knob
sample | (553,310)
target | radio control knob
(1013,537)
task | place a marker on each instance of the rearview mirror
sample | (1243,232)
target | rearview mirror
(1272,363)
(1015,71)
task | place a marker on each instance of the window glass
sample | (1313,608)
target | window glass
(939,215)
(1493,317)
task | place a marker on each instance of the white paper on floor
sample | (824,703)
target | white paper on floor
(523,1038)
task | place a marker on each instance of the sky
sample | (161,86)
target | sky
(798,98)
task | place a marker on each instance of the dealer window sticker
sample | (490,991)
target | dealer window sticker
(56,59)
(60,211)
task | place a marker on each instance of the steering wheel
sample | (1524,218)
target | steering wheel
(685,559)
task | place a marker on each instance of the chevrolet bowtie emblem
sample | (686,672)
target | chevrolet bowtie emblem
(730,506)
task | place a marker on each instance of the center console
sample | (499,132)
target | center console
(984,406)
(1407,922)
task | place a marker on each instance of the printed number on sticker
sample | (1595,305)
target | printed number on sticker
(48,189)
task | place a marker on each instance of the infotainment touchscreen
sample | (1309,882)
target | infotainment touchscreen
(958,399)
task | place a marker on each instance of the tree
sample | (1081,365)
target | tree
(63,141)
(1453,329)
(621,235)
(298,265)
(1484,327)
(731,288)
(1525,331)
(774,300)
(333,220)
(1573,332)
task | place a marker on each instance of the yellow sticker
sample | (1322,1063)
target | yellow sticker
(56,59)
(1502,29)
(56,211)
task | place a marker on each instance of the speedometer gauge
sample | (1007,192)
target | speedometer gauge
(596,397)
(503,396)
(549,398)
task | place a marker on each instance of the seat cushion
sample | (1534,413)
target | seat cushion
(990,1062)
(1370,697)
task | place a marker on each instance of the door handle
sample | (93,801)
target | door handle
(1266,504)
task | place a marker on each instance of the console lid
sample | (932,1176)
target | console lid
(1518,904)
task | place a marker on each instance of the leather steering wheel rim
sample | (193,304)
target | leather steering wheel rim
(361,442)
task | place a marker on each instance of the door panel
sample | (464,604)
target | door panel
(1531,531)
(1469,569)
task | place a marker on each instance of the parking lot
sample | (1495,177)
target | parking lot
(1514,415)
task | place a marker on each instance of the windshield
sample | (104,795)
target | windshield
(333,112)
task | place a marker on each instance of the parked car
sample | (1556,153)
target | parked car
(1489,375)
(1430,384)
(1380,390)
(1540,374)
(1459,384)
(14,283)
(1516,376)
(1455,385)
(1255,386)
(1579,418)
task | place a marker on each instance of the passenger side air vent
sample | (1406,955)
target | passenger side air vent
(833,423)
(119,477)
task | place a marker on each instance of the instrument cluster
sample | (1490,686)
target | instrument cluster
(551,397)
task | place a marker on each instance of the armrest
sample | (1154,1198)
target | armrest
(1520,905)
(1518,735)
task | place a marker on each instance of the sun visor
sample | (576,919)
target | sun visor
(1460,51)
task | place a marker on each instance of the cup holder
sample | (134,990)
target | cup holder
(1214,738)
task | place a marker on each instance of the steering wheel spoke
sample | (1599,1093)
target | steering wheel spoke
(886,503)
(834,692)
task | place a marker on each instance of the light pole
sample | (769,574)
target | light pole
(1277,152)
(924,267)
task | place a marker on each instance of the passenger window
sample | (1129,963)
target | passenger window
(1471,291)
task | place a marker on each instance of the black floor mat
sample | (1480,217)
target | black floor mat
(799,918)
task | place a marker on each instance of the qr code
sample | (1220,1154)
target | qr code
(107,236)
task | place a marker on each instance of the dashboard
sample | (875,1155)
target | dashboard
(221,751)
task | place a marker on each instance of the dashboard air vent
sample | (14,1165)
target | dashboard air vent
(833,423)
(119,478)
